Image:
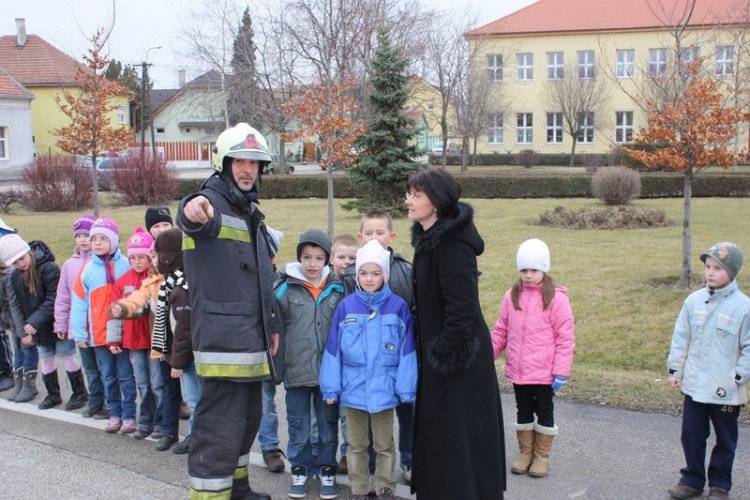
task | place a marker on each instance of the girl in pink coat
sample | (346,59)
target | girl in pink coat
(535,329)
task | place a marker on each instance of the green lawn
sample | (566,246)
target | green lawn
(616,279)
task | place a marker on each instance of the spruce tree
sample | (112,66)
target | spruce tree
(387,160)
(242,103)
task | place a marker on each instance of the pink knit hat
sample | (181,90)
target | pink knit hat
(140,243)
(107,227)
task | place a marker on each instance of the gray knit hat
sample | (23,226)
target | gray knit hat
(317,238)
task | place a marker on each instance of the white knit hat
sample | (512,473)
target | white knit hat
(12,248)
(374,253)
(533,254)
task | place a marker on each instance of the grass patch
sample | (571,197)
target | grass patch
(621,283)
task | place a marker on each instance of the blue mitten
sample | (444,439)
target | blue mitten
(559,382)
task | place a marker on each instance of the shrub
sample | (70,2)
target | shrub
(8,197)
(527,158)
(616,185)
(145,181)
(592,163)
(54,183)
(605,218)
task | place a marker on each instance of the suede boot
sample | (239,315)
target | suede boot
(6,382)
(80,396)
(18,380)
(28,390)
(543,437)
(53,391)
(525,435)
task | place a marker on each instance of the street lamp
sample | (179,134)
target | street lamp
(145,100)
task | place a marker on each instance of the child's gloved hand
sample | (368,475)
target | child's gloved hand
(559,382)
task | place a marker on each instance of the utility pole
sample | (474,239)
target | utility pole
(150,121)
(144,82)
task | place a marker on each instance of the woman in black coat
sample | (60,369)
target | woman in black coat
(459,446)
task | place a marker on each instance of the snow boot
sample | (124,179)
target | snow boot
(543,437)
(29,390)
(18,380)
(53,391)
(525,435)
(80,396)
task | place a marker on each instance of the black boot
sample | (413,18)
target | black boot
(80,396)
(28,390)
(53,391)
(18,379)
(241,491)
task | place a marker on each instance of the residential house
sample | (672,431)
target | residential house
(16,140)
(426,99)
(47,73)
(627,43)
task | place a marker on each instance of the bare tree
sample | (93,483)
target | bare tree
(581,99)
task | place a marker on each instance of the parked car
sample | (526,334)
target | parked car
(451,149)
(105,166)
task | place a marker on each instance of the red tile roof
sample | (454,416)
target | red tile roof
(37,63)
(11,89)
(565,16)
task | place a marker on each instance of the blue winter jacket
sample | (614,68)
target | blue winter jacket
(370,361)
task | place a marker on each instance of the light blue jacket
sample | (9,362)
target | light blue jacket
(711,346)
(370,361)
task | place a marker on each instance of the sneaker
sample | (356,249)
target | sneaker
(6,383)
(166,442)
(273,460)
(717,494)
(683,491)
(298,488)
(113,425)
(407,473)
(386,494)
(102,414)
(141,434)
(184,411)
(182,447)
(128,426)
(360,497)
(328,488)
(343,466)
(90,412)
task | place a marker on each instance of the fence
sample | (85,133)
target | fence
(179,151)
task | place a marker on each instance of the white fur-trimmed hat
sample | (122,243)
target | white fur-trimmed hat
(12,248)
(533,254)
(374,253)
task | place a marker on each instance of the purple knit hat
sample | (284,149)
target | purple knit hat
(107,227)
(82,225)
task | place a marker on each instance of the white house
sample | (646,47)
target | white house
(16,136)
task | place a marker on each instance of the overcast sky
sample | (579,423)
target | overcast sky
(142,24)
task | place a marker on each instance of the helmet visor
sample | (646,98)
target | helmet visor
(250,155)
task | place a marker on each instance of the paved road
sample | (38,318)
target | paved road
(600,453)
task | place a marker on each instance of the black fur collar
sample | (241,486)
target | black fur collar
(459,225)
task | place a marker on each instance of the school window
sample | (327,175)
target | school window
(624,126)
(122,113)
(585,128)
(689,54)
(3,143)
(554,128)
(495,67)
(525,66)
(495,128)
(159,130)
(585,64)
(555,66)
(724,61)
(524,128)
(625,63)
(657,62)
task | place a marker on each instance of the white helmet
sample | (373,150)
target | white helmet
(240,141)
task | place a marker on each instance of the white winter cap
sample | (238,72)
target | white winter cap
(12,248)
(533,254)
(374,253)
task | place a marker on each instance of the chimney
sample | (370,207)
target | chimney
(21,31)
(181,78)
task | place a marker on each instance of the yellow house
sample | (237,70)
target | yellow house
(426,99)
(624,45)
(46,72)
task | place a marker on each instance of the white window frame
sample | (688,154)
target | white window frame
(4,149)
(586,128)
(121,115)
(555,65)
(524,128)
(525,66)
(495,128)
(555,127)
(689,54)
(724,64)
(495,67)
(657,62)
(625,68)
(624,128)
(586,64)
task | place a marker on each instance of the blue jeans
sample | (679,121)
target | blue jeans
(26,357)
(268,434)
(405,415)
(93,378)
(157,387)
(171,401)
(141,369)
(119,382)
(299,451)
(60,348)
(191,386)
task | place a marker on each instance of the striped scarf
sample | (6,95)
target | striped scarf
(159,337)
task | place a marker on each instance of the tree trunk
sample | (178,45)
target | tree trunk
(464,154)
(95,183)
(329,174)
(687,233)
(573,152)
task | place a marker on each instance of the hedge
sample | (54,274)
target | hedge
(654,185)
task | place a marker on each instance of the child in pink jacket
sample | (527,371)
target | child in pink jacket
(535,329)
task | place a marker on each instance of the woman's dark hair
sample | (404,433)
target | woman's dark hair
(440,186)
